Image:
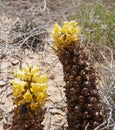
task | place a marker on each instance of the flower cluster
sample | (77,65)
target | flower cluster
(66,34)
(29,87)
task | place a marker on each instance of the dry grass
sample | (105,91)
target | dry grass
(105,68)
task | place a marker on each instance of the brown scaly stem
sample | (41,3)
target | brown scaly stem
(27,120)
(83,100)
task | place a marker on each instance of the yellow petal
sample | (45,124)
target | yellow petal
(28,76)
(41,98)
(43,85)
(69,37)
(56,29)
(33,106)
(35,70)
(27,96)
(43,78)
(16,93)
(38,87)
(65,28)
(18,84)
(35,88)
(69,32)
(35,77)
(19,74)
(73,23)
(20,102)
(26,69)
(76,37)
(18,87)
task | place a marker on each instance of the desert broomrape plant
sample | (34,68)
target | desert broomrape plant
(85,109)
(29,95)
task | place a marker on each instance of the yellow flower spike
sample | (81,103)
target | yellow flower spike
(35,70)
(27,96)
(29,83)
(69,34)
(19,74)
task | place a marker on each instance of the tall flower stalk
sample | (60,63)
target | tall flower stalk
(85,109)
(29,95)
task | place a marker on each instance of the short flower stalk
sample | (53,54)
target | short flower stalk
(29,95)
(85,109)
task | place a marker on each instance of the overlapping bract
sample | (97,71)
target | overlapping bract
(66,34)
(29,87)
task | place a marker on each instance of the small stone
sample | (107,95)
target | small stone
(2,83)
(14,62)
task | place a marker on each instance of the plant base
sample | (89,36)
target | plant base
(27,120)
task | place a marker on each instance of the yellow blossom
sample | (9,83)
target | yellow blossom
(35,77)
(38,87)
(29,87)
(26,69)
(35,70)
(40,98)
(65,28)
(27,96)
(33,106)
(69,37)
(20,102)
(73,23)
(28,76)
(42,78)
(35,88)
(56,29)
(17,93)
(19,74)
(69,32)
(76,37)
(18,87)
